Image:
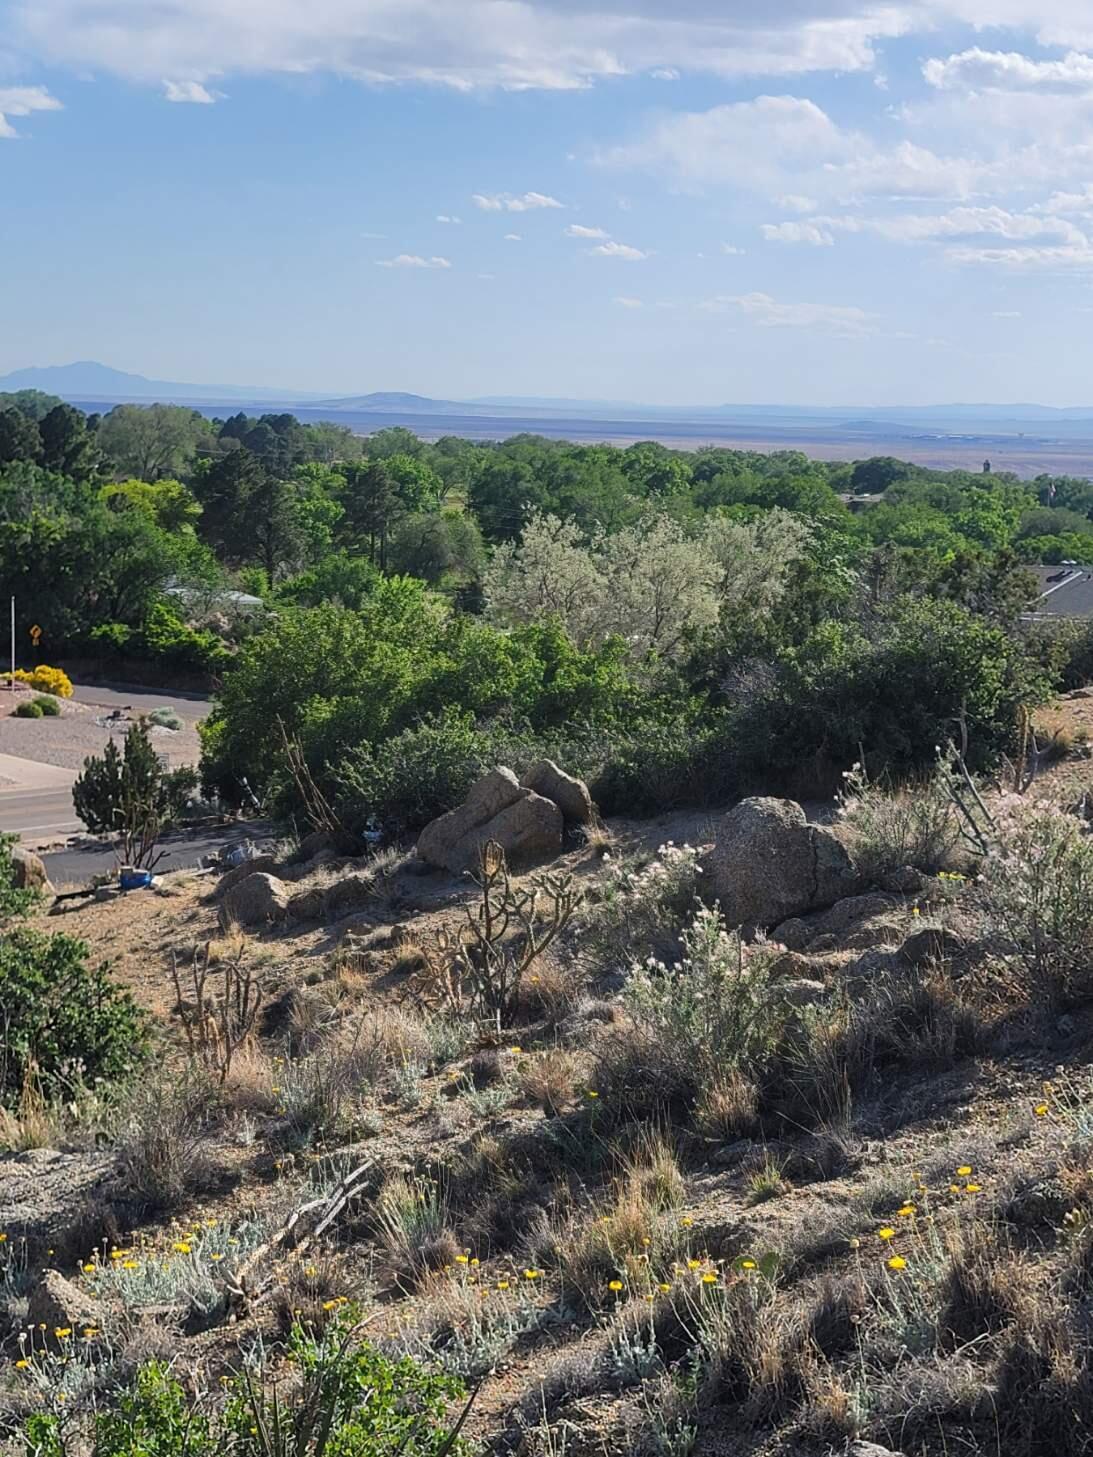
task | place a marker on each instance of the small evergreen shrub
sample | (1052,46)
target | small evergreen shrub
(30,709)
(49,706)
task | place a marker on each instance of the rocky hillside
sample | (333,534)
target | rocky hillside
(522,1104)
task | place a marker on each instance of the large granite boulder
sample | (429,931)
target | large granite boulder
(525,824)
(569,794)
(769,864)
(256,901)
(28,871)
(231,878)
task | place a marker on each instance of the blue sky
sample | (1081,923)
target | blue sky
(825,201)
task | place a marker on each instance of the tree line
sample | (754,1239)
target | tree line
(640,601)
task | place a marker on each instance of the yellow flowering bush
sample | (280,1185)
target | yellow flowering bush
(43,679)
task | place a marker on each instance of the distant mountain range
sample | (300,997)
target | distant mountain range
(99,383)
(90,380)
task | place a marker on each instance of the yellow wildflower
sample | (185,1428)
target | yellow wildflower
(886,1233)
(897,1262)
(615,1285)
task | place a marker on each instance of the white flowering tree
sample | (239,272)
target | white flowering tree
(654,584)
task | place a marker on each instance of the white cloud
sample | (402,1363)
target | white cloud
(767,313)
(516,44)
(578,230)
(665,73)
(732,251)
(443,217)
(1007,314)
(189,91)
(618,250)
(1009,71)
(22,101)
(794,202)
(513,238)
(1065,244)
(816,234)
(412,260)
(506,202)
(629,303)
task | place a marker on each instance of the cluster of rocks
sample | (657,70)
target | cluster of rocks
(528,818)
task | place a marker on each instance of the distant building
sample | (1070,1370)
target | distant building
(1066,591)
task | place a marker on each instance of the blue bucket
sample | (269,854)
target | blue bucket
(135,879)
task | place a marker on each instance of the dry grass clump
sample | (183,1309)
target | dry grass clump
(163,1152)
(915,825)
(729,1108)
(630,1247)
(985,1288)
(550,1081)
(412,1217)
(552,992)
(250,1082)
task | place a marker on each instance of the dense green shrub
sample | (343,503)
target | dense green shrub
(49,706)
(165,638)
(341,680)
(29,709)
(352,1402)
(896,687)
(64,1020)
(667,762)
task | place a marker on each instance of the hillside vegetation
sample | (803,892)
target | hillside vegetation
(710,1128)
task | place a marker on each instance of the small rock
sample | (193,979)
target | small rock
(262,864)
(569,794)
(306,905)
(59,1305)
(800,931)
(314,844)
(931,943)
(28,871)
(790,964)
(905,881)
(256,901)
(348,895)
(802,993)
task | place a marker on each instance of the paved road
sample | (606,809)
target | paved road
(189,706)
(38,805)
(75,865)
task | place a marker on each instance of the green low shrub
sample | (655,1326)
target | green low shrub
(49,706)
(65,1021)
(166,718)
(351,1401)
(29,709)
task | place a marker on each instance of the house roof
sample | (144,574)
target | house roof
(1065,590)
